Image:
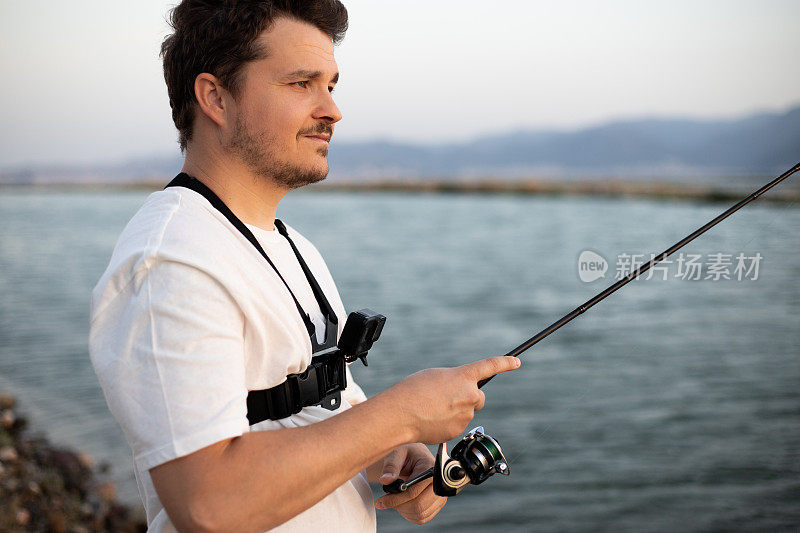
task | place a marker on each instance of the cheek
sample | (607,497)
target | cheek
(278,120)
(277,132)
(285,125)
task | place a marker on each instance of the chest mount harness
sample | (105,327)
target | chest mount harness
(323,380)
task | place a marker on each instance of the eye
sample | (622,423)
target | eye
(303,84)
(331,89)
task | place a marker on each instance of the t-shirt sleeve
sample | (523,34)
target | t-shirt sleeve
(168,351)
(353,393)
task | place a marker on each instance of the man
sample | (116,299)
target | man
(198,308)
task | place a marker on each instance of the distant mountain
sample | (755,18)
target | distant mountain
(761,144)
(129,171)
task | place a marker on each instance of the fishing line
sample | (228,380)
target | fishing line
(771,223)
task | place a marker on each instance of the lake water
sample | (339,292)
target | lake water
(672,405)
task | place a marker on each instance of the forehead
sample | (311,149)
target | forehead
(291,44)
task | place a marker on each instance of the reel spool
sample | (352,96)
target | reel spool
(474,459)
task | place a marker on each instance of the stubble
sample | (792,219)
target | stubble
(260,155)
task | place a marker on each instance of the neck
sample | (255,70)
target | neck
(253,199)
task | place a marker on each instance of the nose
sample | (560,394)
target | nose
(327,109)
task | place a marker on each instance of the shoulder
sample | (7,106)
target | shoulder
(177,226)
(173,222)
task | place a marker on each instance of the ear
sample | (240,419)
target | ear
(213,99)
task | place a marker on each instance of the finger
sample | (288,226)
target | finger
(423,508)
(390,501)
(392,465)
(419,459)
(486,368)
(420,466)
(428,514)
(481,401)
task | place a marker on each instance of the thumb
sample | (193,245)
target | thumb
(486,368)
(392,464)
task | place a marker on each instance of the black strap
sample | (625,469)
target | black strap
(184,180)
(319,294)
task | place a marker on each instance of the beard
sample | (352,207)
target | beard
(261,157)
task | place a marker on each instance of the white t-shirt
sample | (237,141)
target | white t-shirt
(187,318)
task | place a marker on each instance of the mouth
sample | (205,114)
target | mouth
(320,137)
(319,133)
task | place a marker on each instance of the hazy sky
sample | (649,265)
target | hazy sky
(82,80)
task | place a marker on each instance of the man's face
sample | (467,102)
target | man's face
(284,112)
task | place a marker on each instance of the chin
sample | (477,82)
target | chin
(319,174)
(319,167)
(302,176)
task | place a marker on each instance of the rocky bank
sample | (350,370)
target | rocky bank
(45,488)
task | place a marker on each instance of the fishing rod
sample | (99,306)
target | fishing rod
(642,269)
(478,456)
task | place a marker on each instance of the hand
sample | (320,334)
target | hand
(438,403)
(418,504)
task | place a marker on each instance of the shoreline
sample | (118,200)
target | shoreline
(44,487)
(608,188)
(659,190)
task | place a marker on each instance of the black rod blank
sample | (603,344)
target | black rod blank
(642,269)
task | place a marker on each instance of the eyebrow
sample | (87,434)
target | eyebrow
(311,75)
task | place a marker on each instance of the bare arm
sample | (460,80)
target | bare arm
(232,482)
(263,478)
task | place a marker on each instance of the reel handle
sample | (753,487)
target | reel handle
(398,485)
(395,487)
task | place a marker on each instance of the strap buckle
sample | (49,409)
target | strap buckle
(319,384)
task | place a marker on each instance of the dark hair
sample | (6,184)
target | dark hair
(219,37)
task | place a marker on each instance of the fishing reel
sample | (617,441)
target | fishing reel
(473,460)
